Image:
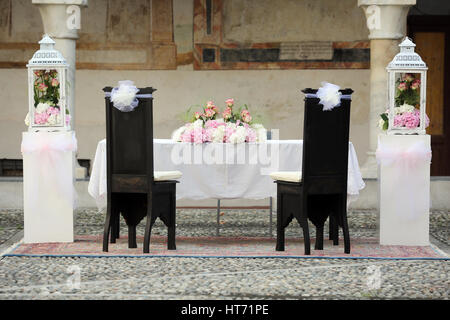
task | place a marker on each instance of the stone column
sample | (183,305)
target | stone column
(386,21)
(62,27)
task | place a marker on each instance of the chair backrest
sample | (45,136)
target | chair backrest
(129,138)
(325,146)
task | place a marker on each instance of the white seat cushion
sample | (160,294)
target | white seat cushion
(289,176)
(167,175)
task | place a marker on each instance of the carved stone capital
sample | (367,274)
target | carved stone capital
(60,17)
(386,19)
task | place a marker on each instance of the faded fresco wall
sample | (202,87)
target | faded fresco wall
(273,93)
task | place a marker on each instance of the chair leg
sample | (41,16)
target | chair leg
(345,224)
(148,225)
(172,225)
(280,228)
(334,230)
(118,226)
(107,226)
(304,224)
(114,221)
(331,227)
(132,237)
(319,238)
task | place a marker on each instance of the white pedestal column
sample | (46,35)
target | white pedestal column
(386,21)
(404,192)
(47,188)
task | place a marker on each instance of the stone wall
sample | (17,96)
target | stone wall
(273,93)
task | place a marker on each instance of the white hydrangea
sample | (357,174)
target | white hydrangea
(406,108)
(239,135)
(42,107)
(53,119)
(176,135)
(218,134)
(231,125)
(198,124)
(261,132)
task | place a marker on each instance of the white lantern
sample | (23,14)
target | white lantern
(47,74)
(407,74)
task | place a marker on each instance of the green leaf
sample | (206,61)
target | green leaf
(384,117)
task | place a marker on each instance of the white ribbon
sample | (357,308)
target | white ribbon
(406,162)
(329,96)
(47,152)
(124,97)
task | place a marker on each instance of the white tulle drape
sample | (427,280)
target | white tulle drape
(329,95)
(405,162)
(123,97)
(46,151)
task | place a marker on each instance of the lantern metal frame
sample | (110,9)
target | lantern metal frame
(406,61)
(48,58)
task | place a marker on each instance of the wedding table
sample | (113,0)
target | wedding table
(223,170)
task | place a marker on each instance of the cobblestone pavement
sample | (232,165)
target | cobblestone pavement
(226,278)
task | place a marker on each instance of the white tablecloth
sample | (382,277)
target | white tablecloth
(223,171)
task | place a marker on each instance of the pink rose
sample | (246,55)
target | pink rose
(209,113)
(416,84)
(55,82)
(42,87)
(402,86)
(229,102)
(197,115)
(227,113)
(245,115)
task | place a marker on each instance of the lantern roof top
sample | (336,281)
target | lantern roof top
(407,58)
(47,55)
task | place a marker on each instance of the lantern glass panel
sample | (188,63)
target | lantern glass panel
(46,95)
(407,100)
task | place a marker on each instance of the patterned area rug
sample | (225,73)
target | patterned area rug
(204,247)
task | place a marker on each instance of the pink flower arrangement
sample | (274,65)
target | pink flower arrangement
(408,90)
(234,127)
(405,116)
(46,99)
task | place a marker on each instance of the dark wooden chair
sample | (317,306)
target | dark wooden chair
(133,188)
(319,191)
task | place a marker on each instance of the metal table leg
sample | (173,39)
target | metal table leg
(218,218)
